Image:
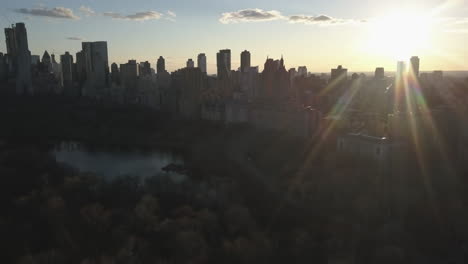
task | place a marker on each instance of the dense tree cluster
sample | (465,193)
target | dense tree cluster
(284,202)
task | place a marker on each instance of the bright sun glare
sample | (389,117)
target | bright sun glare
(400,35)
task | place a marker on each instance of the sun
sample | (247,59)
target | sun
(399,35)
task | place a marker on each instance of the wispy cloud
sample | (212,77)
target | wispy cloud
(140,16)
(322,20)
(56,12)
(250,15)
(171,14)
(75,38)
(88,11)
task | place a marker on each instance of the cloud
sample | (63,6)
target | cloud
(250,15)
(56,12)
(171,14)
(322,20)
(140,16)
(75,38)
(87,10)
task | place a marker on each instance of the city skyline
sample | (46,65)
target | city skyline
(306,34)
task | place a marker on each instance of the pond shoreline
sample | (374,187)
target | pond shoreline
(116,161)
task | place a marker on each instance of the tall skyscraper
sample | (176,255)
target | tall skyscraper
(3,67)
(245,61)
(19,57)
(47,63)
(12,50)
(223,60)
(379,73)
(56,69)
(415,66)
(161,65)
(190,63)
(66,61)
(80,69)
(201,62)
(96,66)
(115,73)
(10,38)
(401,70)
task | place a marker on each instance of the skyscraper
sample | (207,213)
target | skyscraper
(129,73)
(96,66)
(190,63)
(145,68)
(201,62)
(56,69)
(115,73)
(66,61)
(3,67)
(46,61)
(401,70)
(19,57)
(161,65)
(302,71)
(340,74)
(80,69)
(223,61)
(10,39)
(379,73)
(245,61)
(415,66)
(12,49)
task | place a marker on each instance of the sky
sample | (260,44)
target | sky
(358,34)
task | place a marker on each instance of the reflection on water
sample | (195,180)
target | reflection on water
(112,164)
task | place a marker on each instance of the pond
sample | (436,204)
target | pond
(115,163)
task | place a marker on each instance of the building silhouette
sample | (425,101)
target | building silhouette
(66,61)
(339,74)
(379,73)
(201,62)
(302,71)
(401,70)
(245,61)
(19,57)
(190,63)
(414,63)
(80,77)
(275,80)
(161,65)
(3,67)
(46,61)
(35,59)
(96,67)
(145,68)
(115,73)
(187,84)
(223,62)
(129,73)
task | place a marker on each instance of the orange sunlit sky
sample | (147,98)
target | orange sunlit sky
(360,35)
